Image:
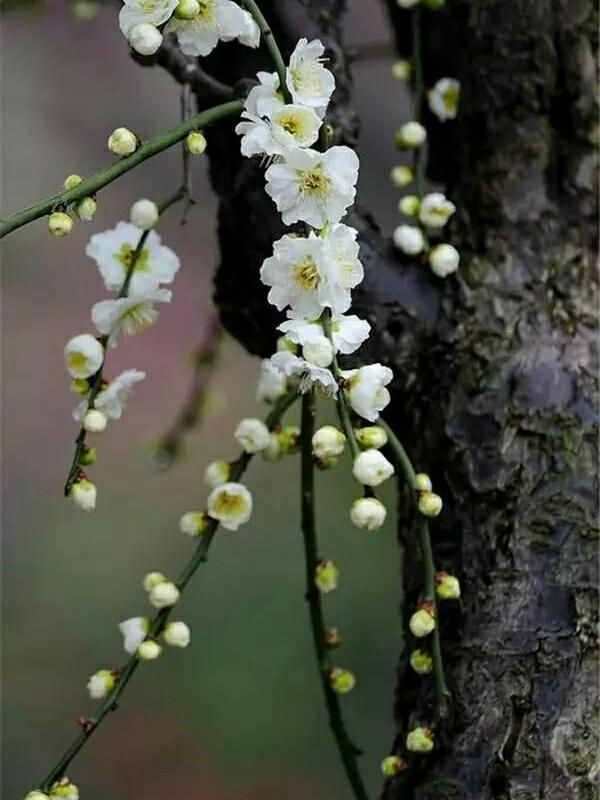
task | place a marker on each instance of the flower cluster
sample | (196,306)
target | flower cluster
(198,25)
(426,214)
(134,264)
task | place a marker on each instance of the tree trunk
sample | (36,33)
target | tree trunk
(495,383)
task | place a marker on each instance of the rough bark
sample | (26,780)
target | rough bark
(495,389)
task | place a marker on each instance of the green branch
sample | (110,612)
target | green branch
(419,154)
(158,622)
(109,174)
(345,746)
(272,46)
(404,464)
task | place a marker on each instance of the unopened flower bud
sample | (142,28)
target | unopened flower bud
(411,134)
(326,576)
(448,586)
(372,468)
(145,38)
(444,260)
(419,740)
(101,683)
(401,176)
(273,452)
(177,634)
(94,421)
(319,353)
(401,69)
(88,456)
(164,595)
(149,650)
(193,523)
(152,579)
(430,504)
(371,436)
(289,439)
(421,662)
(409,205)
(60,224)
(71,181)
(217,473)
(368,513)
(332,638)
(253,435)
(83,494)
(64,789)
(35,794)
(187,9)
(79,386)
(328,441)
(86,209)
(423,482)
(195,143)
(422,623)
(122,142)
(144,214)
(392,765)
(409,239)
(341,680)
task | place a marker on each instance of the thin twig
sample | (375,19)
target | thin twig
(190,414)
(147,150)
(158,622)
(348,752)
(97,379)
(272,46)
(404,463)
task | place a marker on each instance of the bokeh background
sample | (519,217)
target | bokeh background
(240,713)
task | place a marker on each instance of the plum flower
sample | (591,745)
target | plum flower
(366,389)
(443,98)
(287,126)
(113,250)
(218,20)
(310,374)
(136,12)
(308,81)
(312,187)
(348,332)
(128,315)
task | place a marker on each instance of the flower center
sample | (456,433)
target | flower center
(450,98)
(290,124)
(76,361)
(305,79)
(125,255)
(206,10)
(227,503)
(314,182)
(306,275)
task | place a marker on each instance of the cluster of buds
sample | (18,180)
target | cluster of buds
(60,222)
(63,789)
(429,503)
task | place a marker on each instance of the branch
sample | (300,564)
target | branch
(101,179)
(347,750)
(160,619)
(272,46)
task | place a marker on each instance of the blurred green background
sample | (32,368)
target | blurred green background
(240,713)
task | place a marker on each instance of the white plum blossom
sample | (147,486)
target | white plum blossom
(344,270)
(312,187)
(309,82)
(230,504)
(164,594)
(372,468)
(83,493)
(310,374)
(253,435)
(134,630)
(288,126)
(348,331)
(250,34)
(320,353)
(113,250)
(84,356)
(368,513)
(328,442)
(128,315)
(136,12)
(366,390)
(264,98)
(272,384)
(216,474)
(193,523)
(444,260)
(443,98)
(177,634)
(218,20)
(409,239)
(435,210)
(112,399)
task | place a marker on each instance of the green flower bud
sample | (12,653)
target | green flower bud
(71,181)
(422,621)
(149,650)
(423,482)
(86,209)
(326,576)
(79,386)
(64,789)
(421,662)
(401,176)
(409,205)
(392,765)
(401,70)
(88,456)
(430,504)
(187,9)
(60,224)
(152,579)
(448,587)
(371,436)
(193,523)
(289,439)
(195,143)
(341,680)
(419,740)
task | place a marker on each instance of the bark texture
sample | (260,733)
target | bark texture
(495,392)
